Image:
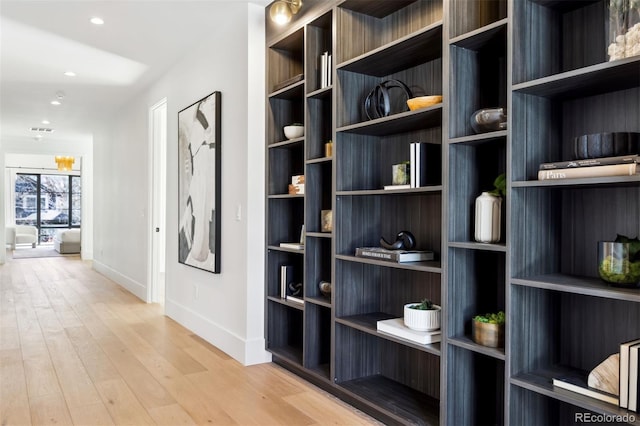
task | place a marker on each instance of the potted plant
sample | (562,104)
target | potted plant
(488,329)
(422,316)
(619,261)
(488,212)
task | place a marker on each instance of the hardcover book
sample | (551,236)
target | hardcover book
(286,277)
(425,168)
(634,379)
(294,246)
(589,162)
(398,256)
(624,371)
(578,383)
(396,327)
(593,171)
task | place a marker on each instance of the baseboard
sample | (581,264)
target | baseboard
(134,287)
(247,352)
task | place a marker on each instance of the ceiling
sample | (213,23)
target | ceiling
(41,40)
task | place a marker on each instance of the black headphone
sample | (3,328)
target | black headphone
(378,104)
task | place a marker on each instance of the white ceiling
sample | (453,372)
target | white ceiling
(139,42)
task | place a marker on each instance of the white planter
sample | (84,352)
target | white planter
(421,320)
(488,212)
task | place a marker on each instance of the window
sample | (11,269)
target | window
(60,202)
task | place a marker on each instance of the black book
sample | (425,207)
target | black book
(602,161)
(425,164)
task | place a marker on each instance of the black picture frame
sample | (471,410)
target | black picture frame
(199,174)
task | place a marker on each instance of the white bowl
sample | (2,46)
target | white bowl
(420,320)
(292,132)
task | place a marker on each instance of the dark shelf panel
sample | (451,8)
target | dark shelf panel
(565,5)
(409,191)
(405,405)
(592,80)
(501,247)
(407,52)
(293,91)
(582,182)
(430,266)
(320,160)
(540,381)
(368,324)
(323,371)
(320,301)
(325,92)
(587,286)
(285,303)
(375,8)
(479,138)
(466,343)
(318,234)
(281,196)
(481,37)
(398,123)
(278,248)
(291,143)
(290,354)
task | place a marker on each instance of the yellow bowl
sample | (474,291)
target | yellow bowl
(423,101)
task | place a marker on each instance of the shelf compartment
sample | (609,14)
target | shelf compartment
(588,286)
(541,382)
(318,40)
(368,323)
(476,286)
(319,300)
(478,77)
(470,16)
(472,169)
(362,221)
(478,246)
(571,330)
(588,81)
(433,266)
(285,59)
(562,227)
(317,339)
(400,384)
(317,264)
(318,180)
(467,343)
(375,8)
(379,155)
(476,388)
(284,162)
(362,288)
(407,52)
(286,216)
(275,259)
(360,33)
(283,112)
(482,36)
(285,333)
(291,92)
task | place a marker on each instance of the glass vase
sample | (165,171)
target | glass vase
(624,29)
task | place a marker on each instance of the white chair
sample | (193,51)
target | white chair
(23,234)
(67,241)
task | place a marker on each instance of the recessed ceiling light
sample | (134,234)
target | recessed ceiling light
(70,74)
(96,21)
(55,102)
(45,122)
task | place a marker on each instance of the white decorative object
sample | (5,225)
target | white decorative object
(421,319)
(294,131)
(488,214)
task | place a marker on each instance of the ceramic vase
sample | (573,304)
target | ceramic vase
(488,216)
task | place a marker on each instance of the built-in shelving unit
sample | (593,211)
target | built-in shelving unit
(545,63)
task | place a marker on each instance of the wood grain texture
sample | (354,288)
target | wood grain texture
(125,363)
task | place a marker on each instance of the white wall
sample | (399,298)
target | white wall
(24,155)
(227,308)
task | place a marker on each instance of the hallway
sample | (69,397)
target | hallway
(75,348)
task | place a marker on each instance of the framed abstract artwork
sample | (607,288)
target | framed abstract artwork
(199,184)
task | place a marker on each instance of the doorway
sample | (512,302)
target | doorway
(157,201)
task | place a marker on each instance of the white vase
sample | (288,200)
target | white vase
(422,320)
(488,212)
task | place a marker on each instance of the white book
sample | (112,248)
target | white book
(295,246)
(396,327)
(295,299)
(329,74)
(579,385)
(624,372)
(634,360)
(392,187)
(412,164)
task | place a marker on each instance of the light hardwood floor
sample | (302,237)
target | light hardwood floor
(75,348)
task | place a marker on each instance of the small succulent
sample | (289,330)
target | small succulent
(425,305)
(492,318)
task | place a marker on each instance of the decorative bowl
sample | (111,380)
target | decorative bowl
(325,288)
(488,334)
(423,101)
(615,265)
(606,144)
(489,120)
(293,131)
(422,320)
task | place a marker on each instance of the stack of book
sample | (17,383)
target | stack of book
(424,166)
(289,290)
(629,375)
(297,185)
(325,70)
(397,256)
(396,327)
(626,165)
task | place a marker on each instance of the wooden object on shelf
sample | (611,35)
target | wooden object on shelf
(606,375)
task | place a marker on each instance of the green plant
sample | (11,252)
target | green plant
(425,305)
(634,246)
(500,186)
(492,318)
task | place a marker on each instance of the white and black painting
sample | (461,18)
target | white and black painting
(199,184)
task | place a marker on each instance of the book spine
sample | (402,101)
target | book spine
(634,379)
(412,164)
(393,257)
(323,70)
(584,172)
(603,161)
(329,74)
